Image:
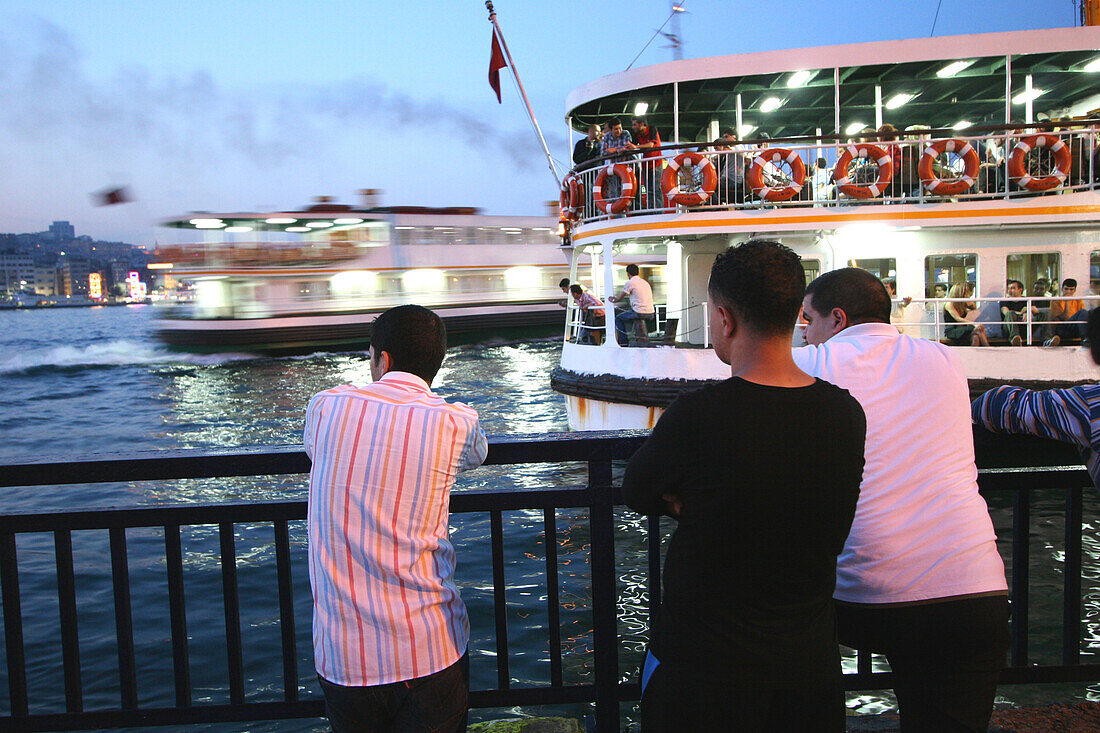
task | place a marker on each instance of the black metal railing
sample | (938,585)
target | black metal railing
(1000,456)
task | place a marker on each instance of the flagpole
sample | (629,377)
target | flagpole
(527,102)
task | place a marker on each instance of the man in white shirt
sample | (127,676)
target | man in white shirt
(641,304)
(389,627)
(920,579)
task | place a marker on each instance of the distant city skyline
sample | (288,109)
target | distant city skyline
(251,106)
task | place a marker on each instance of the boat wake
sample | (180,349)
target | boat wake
(108,354)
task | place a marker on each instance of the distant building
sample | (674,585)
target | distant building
(62,231)
(73,276)
(16,273)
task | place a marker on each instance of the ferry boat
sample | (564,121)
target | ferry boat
(313,280)
(991,175)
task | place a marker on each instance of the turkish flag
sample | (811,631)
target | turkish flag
(496,63)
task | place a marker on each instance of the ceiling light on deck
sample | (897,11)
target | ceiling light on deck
(1093,65)
(745,130)
(207,223)
(961,125)
(1028,96)
(349,220)
(641,108)
(953,68)
(298,229)
(318,224)
(771,104)
(853,128)
(238,229)
(898,100)
(799,79)
(280,220)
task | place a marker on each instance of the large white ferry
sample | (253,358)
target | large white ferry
(313,280)
(991,176)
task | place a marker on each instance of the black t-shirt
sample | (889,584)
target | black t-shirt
(768,478)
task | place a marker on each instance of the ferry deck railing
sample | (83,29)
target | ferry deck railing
(1012,465)
(994,145)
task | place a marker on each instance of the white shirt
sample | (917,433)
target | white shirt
(921,530)
(641,295)
(381,563)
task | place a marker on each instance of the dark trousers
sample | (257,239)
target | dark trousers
(677,702)
(946,657)
(435,703)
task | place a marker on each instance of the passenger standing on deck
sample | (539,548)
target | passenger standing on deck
(389,628)
(745,636)
(645,137)
(641,304)
(920,579)
(587,148)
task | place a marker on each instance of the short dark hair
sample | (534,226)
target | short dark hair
(564,283)
(614,121)
(1015,281)
(632,270)
(763,281)
(576,289)
(414,337)
(858,293)
(729,131)
(1069,282)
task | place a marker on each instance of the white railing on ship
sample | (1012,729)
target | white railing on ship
(991,182)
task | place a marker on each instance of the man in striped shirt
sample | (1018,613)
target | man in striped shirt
(389,628)
(1071,415)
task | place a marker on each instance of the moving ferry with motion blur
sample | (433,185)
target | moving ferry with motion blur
(314,280)
(961,161)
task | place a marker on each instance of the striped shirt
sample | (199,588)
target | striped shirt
(381,565)
(1071,415)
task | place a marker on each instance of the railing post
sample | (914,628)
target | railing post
(605,635)
(1071,600)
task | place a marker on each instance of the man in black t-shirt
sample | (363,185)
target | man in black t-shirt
(762,473)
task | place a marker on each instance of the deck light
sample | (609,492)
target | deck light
(207,223)
(1093,65)
(853,128)
(297,229)
(961,125)
(745,130)
(238,229)
(641,108)
(1026,96)
(799,79)
(898,100)
(280,220)
(771,104)
(349,220)
(953,68)
(318,224)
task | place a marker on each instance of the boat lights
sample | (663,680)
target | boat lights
(961,125)
(423,280)
(853,128)
(352,282)
(1093,65)
(238,229)
(523,277)
(280,220)
(799,79)
(641,108)
(771,104)
(349,220)
(745,130)
(898,100)
(298,229)
(953,68)
(1028,95)
(318,224)
(207,223)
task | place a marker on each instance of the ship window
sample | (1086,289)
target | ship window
(313,290)
(1094,274)
(882,268)
(811,269)
(946,270)
(1031,268)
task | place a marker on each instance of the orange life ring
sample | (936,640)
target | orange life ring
(1062,162)
(863,150)
(755,176)
(670,180)
(937,185)
(620,204)
(565,211)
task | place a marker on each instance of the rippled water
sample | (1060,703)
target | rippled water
(84,381)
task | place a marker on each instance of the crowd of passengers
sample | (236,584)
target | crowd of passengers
(1053,322)
(732,159)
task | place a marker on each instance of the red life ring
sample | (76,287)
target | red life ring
(620,204)
(863,150)
(939,186)
(670,180)
(572,193)
(755,176)
(1062,162)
